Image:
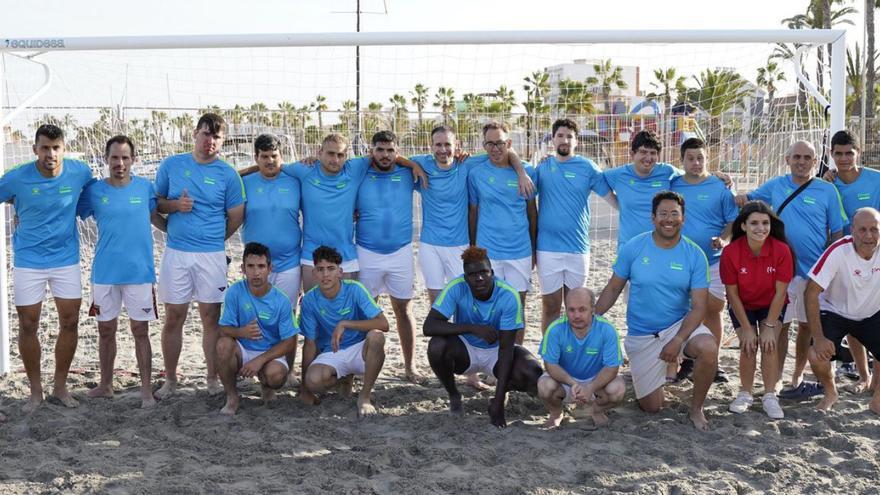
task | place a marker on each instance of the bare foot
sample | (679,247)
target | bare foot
(412,376)
(828,401)
(553,422)
(365,408)
(231,406)
(474,381)
(101,391)
(214,386)
(601,419)
(455,405)
(308,398)
(147,401)
(167,389)
(33,404)
(874,406)
(64,396)
(292,381)
(267,394)
(343,386)
(699,420)
(860,387)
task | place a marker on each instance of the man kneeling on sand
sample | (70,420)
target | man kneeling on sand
(582,355)
(257,329)
(345,327)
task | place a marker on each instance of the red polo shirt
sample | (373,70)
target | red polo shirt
(755,276)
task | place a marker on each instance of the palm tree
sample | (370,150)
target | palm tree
(288,114)
(575,98)
(236,114)
(854,68)
(606,77)
(870,70)
(506,101)
(183,123)
(347,116)
(820,15)
(398,112)
(419,99)
(668,82)
(537,87)
(717,91)
(257,114)
(444,99)
(320,105)
(767,78)
(373,120)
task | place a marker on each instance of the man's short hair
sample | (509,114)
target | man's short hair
(266,142)
(256,249)
(647,139)
(845,138)
(51,131)
(326,253)
(693,143)
(663,195)
(474,254)
(442,128)
(384,137)
(120,139)
(213,122)
(498,126)
(565,123)
(335,137)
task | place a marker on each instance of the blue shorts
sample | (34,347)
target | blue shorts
(754,316)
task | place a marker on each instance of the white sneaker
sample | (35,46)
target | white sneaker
(771,406)
(742,403)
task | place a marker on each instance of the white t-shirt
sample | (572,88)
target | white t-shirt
(851,283)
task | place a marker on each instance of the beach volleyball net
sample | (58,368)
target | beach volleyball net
(748,94)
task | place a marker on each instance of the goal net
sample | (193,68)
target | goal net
(741,94)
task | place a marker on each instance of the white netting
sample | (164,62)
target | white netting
(155,96)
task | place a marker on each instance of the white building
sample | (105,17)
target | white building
(581,69)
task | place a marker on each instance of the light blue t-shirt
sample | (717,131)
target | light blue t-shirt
(583,358)
(328,203)
(445,202)
(124,254)
(502,311)
(271,217)
(708,207)
(384,206)
(660,281)
(46,235)
(214,188)
(865,191)
(564,203)
(502,224)
(273,313)
(809,218)
(318,315)
(634,194)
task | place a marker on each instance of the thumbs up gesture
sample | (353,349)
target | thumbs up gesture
(184,203)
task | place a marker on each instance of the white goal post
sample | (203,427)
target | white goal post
(35,47)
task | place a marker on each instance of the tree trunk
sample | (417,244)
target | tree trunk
(869,63)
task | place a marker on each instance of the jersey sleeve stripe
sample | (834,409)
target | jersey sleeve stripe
(450,285)
(519,309)
(827,253)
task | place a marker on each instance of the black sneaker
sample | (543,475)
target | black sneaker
(685,370)
(721,376)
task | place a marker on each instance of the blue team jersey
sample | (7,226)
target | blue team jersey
(46,235)
(865,191)
(660,281)
(634,194)
(564,199)
(124,254)
(445,202)
(271,217)
(583,358)
(384,206)
(502,224)
(328,203)
(318,315)
(502,311)
(273,314)
(214,188)
(709,207)
(808,218)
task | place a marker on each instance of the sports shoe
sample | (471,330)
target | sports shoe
(742,403)
(771,406)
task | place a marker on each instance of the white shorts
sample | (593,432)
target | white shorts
(348,361)
(716,288)
(648,370)
(350,266)
(569,397)
(139,301)
(289,283)
(796,310)
(482,360)
(391,274)
(517,273)
(439,264)
(558,269)
(30,283)
(185,276)
(248,355)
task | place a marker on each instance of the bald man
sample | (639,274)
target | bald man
(843,298)
(814,218)
(582,356)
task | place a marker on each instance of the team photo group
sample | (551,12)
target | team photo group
(325,237)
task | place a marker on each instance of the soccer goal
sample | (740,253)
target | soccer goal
(747,93)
